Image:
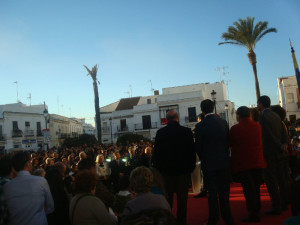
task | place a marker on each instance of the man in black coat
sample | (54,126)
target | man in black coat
(274,138)
(174,156)
(212,146)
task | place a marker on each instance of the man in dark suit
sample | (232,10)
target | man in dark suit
(274,138)
(212,146)
(174,156)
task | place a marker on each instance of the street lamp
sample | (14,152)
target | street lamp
(111,138)
(213,96)
(46,118)
(226,108)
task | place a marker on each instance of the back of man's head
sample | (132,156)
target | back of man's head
(207,106)
(172,115)
(19,160)
(5,165)
(243,112)
(86,164)
(265,101)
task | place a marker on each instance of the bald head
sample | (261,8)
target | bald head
(172,115)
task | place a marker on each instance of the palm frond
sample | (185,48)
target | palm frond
(274,30)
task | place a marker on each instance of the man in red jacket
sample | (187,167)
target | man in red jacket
(247,160)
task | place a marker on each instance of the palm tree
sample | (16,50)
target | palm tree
(244,33)
(93,74)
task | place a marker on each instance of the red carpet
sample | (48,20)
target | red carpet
(198,209)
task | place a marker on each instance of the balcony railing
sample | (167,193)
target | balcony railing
(106,130)
(120,129)
(63,135)
(39,133)
(17,133)
(28,133)
(139,126)
(2,137)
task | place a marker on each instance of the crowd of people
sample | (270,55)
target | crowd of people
(131,183)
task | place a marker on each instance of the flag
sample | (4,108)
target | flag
(297,72)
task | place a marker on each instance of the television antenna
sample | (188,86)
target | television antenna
(222,72)
(151,89)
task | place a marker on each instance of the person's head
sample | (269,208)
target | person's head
(39,172)
(172,116)
(64,160)
(55,155)
(296,141)
(263,102)
(85,182)
(86,164)
(207,106)
(49,161)
(141,179)
(82,155)
(279,111)
(200,117)
(242,112)
(124,183)
(6,167)
(254,114)
(100,158)
(117,156)
(61,167)
(21,161)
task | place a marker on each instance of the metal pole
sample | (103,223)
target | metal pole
(215,106)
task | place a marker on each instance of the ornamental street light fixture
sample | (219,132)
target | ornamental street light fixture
(226,108)
(46,116)
(213,96)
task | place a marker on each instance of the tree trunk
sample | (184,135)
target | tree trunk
(97,111)
(252,59)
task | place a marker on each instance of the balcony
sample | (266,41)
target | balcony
(17,133)
(28,133)
(63,136)
(2,137)
(39,133)
(139,126)
(122,129)
(106,130)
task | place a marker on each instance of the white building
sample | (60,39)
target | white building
(145,115)
(21,126)
(62,127)
(87,128)
(289,98)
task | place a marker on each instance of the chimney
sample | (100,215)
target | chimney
(156,92)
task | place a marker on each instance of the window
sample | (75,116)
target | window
(27,124)
(146,122)
(290,98)
(38,129)
(149,101)
(15,125)
(123,124)
(192,114)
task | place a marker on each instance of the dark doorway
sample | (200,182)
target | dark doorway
(146,122)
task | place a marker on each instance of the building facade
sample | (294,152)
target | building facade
(145,115)
(21,126)
(288,95)
(62,127)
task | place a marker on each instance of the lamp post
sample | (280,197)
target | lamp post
(111,138)
(213,96)
(46,118)
(226,108)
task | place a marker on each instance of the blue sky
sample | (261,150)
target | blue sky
(44,45)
